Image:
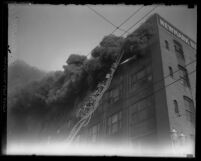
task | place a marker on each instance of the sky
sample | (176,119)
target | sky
(45,35)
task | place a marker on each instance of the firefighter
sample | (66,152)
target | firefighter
(108,76)
(100,88)
(103,82)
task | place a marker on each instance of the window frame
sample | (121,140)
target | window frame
(117,123)
(183,75)
(142,72)
(144,107)
(179,50)
(94,135)
(134,77)
(190,110)
(112,97)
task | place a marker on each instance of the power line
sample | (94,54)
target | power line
(168,74)
(134,13)
(133,24)
(117,27)
(154,92)
(105,19)
(136,24)
(165,85)
(140,20)
(154,83)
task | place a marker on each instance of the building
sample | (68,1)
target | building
(151,100)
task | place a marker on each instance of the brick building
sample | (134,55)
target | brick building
(151,100)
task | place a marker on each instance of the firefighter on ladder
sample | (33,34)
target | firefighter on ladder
(88,105)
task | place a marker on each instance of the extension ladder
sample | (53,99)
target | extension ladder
(89,106)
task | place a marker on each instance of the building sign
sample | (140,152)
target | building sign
(177,33)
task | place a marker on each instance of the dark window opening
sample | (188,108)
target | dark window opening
(142,115)
(171,72)
(190,110)
(179,50)
(141,74)
(144,128)
(176,108)
(114,95)
(166,45)
(142,111)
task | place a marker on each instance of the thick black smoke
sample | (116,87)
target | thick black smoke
(136,41)
(45,101)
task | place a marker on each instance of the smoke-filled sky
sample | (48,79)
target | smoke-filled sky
(45,35)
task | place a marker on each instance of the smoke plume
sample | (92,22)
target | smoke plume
(46,100)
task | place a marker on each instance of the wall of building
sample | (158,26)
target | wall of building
(175,90)
(146,104)
(162,120)
(134,97)
(134,80)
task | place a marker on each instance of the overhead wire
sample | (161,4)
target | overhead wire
(134,13)
(123,21)
(162,79)
(105,18)
(140,20)
(117,27)
(135,25)
(154,92)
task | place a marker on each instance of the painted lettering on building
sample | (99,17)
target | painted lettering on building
(178,34)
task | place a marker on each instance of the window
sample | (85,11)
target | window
(189,107)
(142,105)
(178,47)
(142,115)
(179,50)
(176,108)
(94,132)
(146,72)
(148,69)
(133,79)
(146,103)
(141,74)
(114,123)
(149,73)
(143,128)
(114,95)
(184,76)
(171,72)
(166,45)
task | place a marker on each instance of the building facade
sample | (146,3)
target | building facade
(151,100)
